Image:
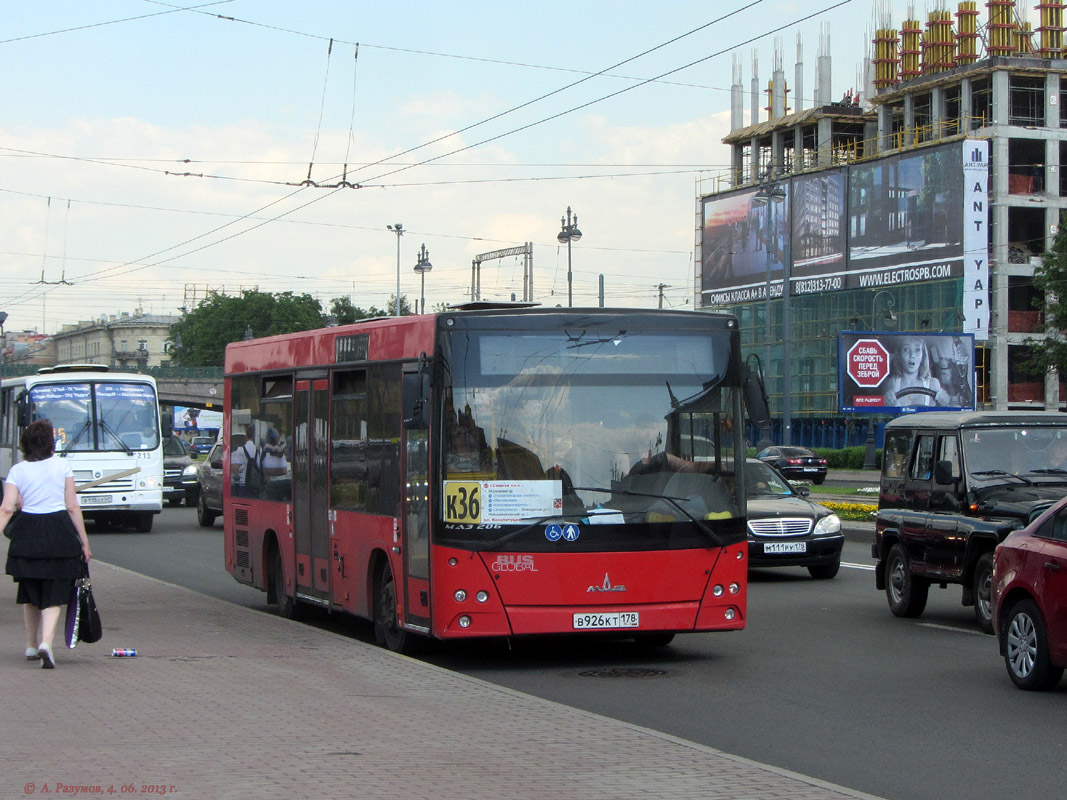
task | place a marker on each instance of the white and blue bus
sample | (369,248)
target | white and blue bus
(107,424)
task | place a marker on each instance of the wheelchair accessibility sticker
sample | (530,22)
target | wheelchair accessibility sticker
(555,532)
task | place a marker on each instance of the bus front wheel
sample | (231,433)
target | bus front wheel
(286,604)
(387,630)
(143,522)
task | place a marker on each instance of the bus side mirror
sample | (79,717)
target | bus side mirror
(23,411)
(168,426)
(417,397)
(755,395)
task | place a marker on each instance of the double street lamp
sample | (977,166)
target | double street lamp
(568,234)
(422,267)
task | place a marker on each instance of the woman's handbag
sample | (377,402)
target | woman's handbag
(83,619)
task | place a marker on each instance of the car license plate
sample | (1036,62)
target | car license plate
(811,469)
(95,499)
(612,619)
(785,547)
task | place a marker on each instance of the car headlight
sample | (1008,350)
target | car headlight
(831,523)
(189,471)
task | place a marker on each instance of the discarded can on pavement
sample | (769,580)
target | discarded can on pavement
(122,651)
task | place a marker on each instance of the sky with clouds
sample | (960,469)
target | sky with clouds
(153,151)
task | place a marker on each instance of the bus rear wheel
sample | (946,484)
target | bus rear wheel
(387,630)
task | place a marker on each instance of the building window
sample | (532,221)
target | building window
(1025,302)
(922,114)
(1027,101)
(1026,166)
(950,111)
(1024,384)
(981,104)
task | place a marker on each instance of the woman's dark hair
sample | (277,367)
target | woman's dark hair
(38,441)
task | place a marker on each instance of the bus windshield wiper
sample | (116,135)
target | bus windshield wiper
(674,501)
(507,537)
(1003,473)
(77,437)
(111,432)
(1048,471)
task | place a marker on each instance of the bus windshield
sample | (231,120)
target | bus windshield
(99,416)
(610,426)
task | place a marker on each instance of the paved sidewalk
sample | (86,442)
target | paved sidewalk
(226,702)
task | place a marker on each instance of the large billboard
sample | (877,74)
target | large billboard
(905,218)
(744,243)
(897,373)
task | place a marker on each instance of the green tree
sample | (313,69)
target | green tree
(345,312)
(1050,280)
(202,335)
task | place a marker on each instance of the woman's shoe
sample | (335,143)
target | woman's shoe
(32,654)
(47,661)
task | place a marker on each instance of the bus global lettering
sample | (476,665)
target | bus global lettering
(514,563)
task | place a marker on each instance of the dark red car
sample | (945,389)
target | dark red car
(1030,600)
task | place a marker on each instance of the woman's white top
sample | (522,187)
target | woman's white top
(41,484)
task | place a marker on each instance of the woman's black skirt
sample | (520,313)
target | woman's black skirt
(44,557)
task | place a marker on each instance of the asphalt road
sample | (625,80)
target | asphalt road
(823,681)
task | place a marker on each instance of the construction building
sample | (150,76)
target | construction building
(920,202)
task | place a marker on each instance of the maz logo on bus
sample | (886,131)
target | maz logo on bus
(606,586)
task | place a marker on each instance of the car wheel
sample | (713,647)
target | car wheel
(191,496)
(143,523)
(204,516)
(174,501)
(1026,649)
(286,604)
(387,631)
(983,589)
(823,572)
(818,479)
(906,593)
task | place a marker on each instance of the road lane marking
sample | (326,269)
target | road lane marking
(867,567)
(951,628)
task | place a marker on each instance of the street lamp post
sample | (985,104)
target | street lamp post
(870,445)
(3,344)
(769,196)
(398,229)
(422,267)
(568,234)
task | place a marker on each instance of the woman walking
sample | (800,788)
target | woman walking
(48,540)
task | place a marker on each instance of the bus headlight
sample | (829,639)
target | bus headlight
(482,596)
(460,595)
(464,622)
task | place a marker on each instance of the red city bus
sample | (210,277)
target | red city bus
(493,471)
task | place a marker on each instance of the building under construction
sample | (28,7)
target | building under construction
(919,202)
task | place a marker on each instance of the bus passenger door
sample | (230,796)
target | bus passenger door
(311,526)
(416,498)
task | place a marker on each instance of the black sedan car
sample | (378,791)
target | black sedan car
(179,473)
(785,529)
(795,463)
